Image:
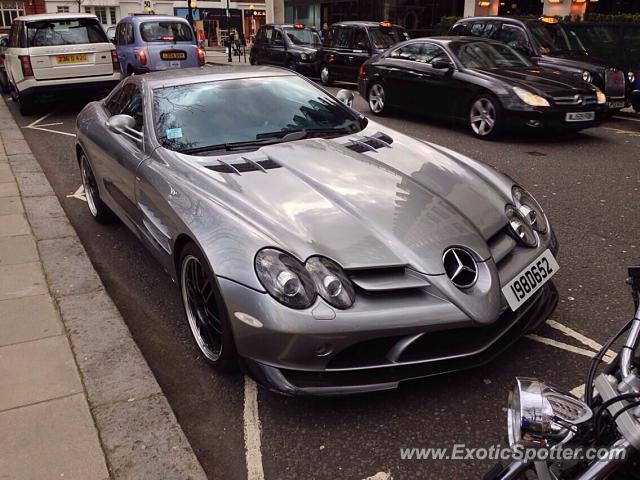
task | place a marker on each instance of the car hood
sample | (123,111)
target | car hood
(398,205)
(305,48)
(576,60)
(544,80)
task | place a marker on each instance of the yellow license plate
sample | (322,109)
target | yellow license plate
(72,58)
(173,55)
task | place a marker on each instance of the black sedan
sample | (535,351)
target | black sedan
(483,83)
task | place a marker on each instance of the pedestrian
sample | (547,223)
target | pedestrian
(324,33)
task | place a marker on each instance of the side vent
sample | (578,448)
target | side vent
(247,166)
(371,143)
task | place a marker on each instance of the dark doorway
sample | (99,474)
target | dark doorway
(520,7)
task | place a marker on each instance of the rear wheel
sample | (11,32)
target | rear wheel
(325,76)
(205,310)
(484,117)
(98,209)
(377,99)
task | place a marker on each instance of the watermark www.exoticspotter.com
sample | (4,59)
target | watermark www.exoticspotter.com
(460,451)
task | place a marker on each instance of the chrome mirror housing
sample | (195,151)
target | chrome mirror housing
(120,123)
(541,415)
(346,97)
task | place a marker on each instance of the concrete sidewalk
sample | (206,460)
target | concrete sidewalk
(222,57)
(77,399)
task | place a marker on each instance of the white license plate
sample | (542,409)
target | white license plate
(619,104)
(174,64)
(580,116)
(530,280)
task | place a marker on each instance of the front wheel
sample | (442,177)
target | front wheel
(377,99)
(484,117)
(325,76)
(98,209)
(205,311)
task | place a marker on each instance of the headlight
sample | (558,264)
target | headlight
(632,77)
(285,278)
(303,56)
(530,210)
(521,228)
(530,98)
(331,282)
(586,76)
(601,97)
(541,415)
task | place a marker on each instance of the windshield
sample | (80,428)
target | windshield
(552,38)
(302,36)
(68,31)
(165,32)
(196,116)
(488,55)
(384,38)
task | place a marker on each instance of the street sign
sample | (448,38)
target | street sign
(147,6)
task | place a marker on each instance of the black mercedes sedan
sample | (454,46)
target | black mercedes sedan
(484,83)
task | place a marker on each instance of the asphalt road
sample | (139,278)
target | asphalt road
(587,182)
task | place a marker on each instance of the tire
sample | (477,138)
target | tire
(130,71)
(377,99)
(325,76)
(205,310)
(485,117)
(25,105)
(99,211)
(252,60)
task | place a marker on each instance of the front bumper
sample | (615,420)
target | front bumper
(554,117)
(510,327)
(307,68)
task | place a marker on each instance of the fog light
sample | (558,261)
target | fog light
(323,350)
(534,123)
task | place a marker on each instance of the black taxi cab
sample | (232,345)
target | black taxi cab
(349,44)
(550,45)
(293,46)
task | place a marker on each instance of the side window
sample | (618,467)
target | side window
(431,51)
(113,102)
(277,38)
(361,39)
(461,30)
(514,37)
(477,29)
(260,35)
(129,34)
(342,38)
(407,52)
(120,34)
(268,34)
(13,35)
(132,99)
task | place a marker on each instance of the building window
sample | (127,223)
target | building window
(63,9)
(8,11)
(112,15)
(87,9)
(101,13)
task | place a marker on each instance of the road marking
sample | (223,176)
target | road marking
(381,476)
(79,194)
(38,126)
(578,336)
(624,132)
(561,345)
(627,118)
(253,452)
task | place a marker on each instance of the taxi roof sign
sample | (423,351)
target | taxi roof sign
(298,25)
(385,23)
(547,19)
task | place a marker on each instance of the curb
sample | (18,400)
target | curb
(139,433)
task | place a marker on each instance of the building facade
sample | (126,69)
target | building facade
(10,9)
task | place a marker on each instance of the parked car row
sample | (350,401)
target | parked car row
(489,73)
(48,54)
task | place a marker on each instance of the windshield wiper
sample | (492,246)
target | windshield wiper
(275,137)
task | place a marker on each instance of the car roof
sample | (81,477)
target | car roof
(287,25)
(144,17)
(518,20)
(53,16)
(208,73)
(446,40)
(361,23)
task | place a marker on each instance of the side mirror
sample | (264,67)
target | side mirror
(442,64)
(346,97)
(121,123)
(362,46)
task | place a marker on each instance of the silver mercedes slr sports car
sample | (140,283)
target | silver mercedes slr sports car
(321,252)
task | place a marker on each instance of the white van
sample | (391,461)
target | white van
(52,53)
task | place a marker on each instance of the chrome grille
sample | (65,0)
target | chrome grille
(575,100)
(614,83)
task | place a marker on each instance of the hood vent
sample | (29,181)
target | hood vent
(247,166)
(369,143)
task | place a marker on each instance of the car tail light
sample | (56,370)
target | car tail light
(201,56)
(330,58)
(25,63)
(114,61)
(142,57)
(361,71)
